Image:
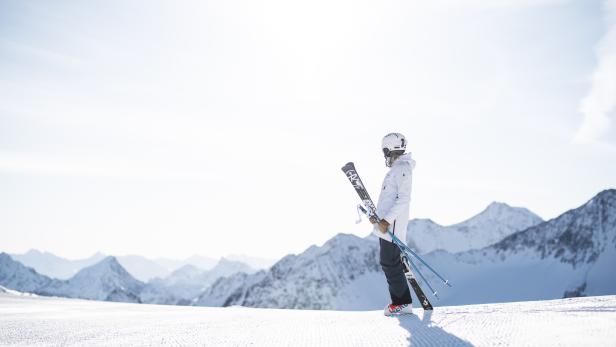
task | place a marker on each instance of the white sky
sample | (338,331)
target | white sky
(214,127)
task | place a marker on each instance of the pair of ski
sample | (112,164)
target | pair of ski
(406,253)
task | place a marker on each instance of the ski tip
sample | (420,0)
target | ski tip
(347,165)
(448,284)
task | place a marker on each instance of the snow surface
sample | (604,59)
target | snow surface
(14,292)
(46,321)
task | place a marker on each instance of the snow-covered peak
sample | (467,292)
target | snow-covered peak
(109,261)
(226,267)
(187,282)
(498,211)
(227,290)
(225,262)
(319,278)
(51,265)
(254,262)
(15,275)
(342,240)
(497,205)
(33,252)
(497,221)
(201,262)
(571,255)
(142,268)
(184,275)
(604,197)
(186,271)
(577,236)
(105,272)
(501,213)
(105,280)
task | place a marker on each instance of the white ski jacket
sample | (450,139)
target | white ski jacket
(395,197)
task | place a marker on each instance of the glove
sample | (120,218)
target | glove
(383,224)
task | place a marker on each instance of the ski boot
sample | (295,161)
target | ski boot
(395,310)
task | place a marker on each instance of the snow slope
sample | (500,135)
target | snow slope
(493,224)
(8,291)
(40,321)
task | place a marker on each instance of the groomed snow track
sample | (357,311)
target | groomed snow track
(43,321)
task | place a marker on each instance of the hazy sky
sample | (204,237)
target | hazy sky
(212,127)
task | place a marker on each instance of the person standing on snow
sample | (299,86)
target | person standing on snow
(393,208)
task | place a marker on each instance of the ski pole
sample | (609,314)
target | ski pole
(402,245)
(415,268)
(409,250)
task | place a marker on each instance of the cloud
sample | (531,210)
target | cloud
(599,105)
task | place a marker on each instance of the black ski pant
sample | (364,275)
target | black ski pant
(394,272)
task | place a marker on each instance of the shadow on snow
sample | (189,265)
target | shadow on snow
(425,333)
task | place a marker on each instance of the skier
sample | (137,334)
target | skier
(393,208)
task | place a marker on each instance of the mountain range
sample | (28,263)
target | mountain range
(51,265)
(108,280)
(497,221)
(187,282)
(531,259)
(571,255)
(142,268)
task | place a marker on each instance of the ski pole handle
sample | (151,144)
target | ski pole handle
(359,212)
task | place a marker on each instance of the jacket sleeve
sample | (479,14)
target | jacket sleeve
(403,199)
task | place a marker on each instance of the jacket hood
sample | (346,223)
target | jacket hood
(405,159)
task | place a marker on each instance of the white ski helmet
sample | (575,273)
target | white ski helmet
(393,143)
